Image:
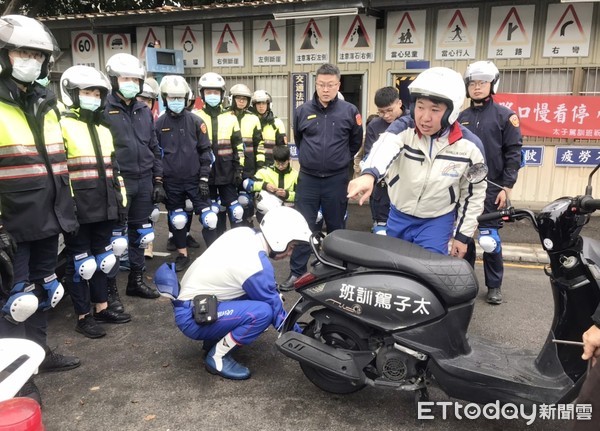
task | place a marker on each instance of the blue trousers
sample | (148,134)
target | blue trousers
(430,233)
(140,206)
(245,319)
(312,193)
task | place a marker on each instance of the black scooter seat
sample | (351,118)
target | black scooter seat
(453,279)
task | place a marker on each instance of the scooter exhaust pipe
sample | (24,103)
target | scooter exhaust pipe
(347,364)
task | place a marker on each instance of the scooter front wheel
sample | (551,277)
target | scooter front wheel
(339,337)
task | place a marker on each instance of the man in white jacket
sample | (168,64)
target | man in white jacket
(424,168)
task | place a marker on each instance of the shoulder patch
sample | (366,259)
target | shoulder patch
(203,128)
(358,120)
(310,117)
(514,120)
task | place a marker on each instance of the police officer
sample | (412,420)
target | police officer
(138,154)
(328,132)
(499,131)
(186,163)
(100,196)
(273,129)
(226,172)
(248,300)
(35,195)
(389,108)
(149,94)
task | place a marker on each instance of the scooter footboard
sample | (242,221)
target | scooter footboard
(347,364)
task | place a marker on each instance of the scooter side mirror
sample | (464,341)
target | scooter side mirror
(476,173)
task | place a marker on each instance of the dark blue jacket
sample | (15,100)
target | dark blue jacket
(187,153)
(499,131)
(136,147)
(378,126)
(327,137)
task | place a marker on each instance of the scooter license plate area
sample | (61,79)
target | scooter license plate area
(387,301)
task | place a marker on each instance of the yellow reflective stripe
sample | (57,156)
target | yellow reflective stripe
(18,150)
(8,173)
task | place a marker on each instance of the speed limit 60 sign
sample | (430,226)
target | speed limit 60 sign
(84,47)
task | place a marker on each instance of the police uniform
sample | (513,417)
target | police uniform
(139,158)
(187,158)
(273,132)
(224,133)
(499,131)
(327,139)
(99,194)
(286,180)
(35,195)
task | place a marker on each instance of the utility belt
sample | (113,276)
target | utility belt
(204,308)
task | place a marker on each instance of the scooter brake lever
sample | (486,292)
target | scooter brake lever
(574,343)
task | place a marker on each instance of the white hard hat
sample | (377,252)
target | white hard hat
(211,80)
(282,225)
(483,71)
(441,84)
(174,86)
(240,90)
(125,65)
(79,77)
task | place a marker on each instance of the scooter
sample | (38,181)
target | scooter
(383,312)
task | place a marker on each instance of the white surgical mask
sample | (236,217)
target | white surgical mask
(129,89)
(89,103)
(26,69)
(212,100)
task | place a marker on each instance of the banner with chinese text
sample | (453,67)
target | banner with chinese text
(569,117)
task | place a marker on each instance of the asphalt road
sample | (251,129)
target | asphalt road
(146,375)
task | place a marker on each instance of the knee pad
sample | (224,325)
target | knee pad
(380,228)
(215,207)
(189,206)
(178,218)
(55,291)
(106,261)
(489,240)
(209,219)
(22,303)
(236,212)
(85,266)
(155,214)
(119,242)
(166,281)
(244,199)
(248,184)
(145,235)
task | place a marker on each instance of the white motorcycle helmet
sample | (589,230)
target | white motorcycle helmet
(240,90)
(282,225)
(483,71)
(211,80)
(174,86)
(266,201)
(80,77)
(443,85)
(151,89)
(261,96)
(125,65)
(18,31)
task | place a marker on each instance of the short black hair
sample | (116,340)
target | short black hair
(329,69)
(386,96)
(281,153)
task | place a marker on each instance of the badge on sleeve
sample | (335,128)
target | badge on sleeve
(514,120)
(203,128)
(358,120)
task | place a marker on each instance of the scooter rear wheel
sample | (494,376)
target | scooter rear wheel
(342,338)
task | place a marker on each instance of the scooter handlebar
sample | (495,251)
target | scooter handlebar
(589,204)
(494,215)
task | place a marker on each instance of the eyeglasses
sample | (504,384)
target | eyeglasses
(328,85)
(28,53)
(384,112)
(474,84)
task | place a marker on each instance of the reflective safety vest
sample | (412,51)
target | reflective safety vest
(97,186)
(35,196)
(252,143)
(273,134)
(281,179)
(224,134)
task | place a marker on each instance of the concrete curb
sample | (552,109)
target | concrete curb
(526,253)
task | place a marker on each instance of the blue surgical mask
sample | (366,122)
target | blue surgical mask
(212,100)
(89,103)
(176,105)
(43,82)
(129,89)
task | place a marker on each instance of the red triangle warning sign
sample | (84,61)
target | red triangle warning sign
(270,37)
(568,28)
(311,36)
(188,35)
(148,40)
(456,31)
(511,29)
(406,23)
(357,36)
(227,43)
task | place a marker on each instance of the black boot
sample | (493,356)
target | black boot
(114,300)
(137,287)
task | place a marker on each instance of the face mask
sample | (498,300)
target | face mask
(176,105)
(43,82)
(129,89)
(212,100)
(89,103)
(26,69)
